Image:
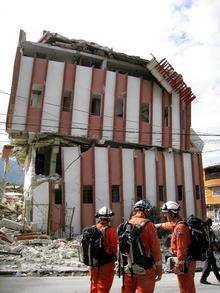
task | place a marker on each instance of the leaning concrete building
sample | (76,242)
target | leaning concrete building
(94,127)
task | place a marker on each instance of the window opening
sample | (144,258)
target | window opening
(161,193)
(42,162)
(67,100)
(58,196)
(115,193)
(36,96)
(180,192)
(87,194)
(197,190)
(139,192)
(183,119)
(96,104)
(216,190)
(58,163)
(167,116)
(119,108)
(145,113)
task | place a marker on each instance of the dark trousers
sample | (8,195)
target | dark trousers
(210,265)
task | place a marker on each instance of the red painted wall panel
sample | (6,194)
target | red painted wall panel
(179,179)
(15,77)
(87,178)
(160,177)
(201,176)
(68,85)
(119,122)
(188,126)
(33,119)
(55,211)
(196,181)
(115,178)
(97,87)
(146,93)
(139,174)
(183,126)
(167,125)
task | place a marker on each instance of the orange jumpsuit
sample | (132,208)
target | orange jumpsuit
(180,242)
(102,277)
(145,283)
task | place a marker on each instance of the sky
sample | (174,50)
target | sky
(186,32)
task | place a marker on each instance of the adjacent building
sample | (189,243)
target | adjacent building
(212,191)
(94,127)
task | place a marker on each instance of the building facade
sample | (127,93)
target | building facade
(95,127)
(212,191)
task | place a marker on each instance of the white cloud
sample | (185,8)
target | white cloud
(186,32)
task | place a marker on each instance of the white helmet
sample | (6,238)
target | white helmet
(142,205)
(104,212)
(170,206)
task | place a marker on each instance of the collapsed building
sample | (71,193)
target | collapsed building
(94,127)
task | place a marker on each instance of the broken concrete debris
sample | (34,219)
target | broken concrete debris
(41,257)
(25,252)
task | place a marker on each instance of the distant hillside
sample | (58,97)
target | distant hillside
(15,173)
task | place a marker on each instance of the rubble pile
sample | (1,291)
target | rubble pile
(27,253)
(41,256)
(11,206)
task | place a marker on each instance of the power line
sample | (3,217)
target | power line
(72,108)
(80,110)
(217,150)
(111,130)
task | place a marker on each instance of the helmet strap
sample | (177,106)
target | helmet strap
(173,215)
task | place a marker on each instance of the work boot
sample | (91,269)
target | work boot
(205,282)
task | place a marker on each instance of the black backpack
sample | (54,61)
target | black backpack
(93,249)
(199,238)
(131,248)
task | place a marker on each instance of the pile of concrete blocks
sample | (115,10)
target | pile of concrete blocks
(42,257)
(24,252)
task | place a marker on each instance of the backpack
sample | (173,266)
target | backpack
(131,248)
(93,249)
(199,238)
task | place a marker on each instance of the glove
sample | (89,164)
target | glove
(159,272)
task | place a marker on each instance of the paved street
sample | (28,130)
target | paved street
(80,284)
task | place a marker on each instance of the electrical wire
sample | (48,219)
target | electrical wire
(133,121)
(71,108)
(114,130)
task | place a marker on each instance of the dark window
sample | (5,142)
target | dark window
(58,196)
(161,193)
(36,97)
(87,194)
(115,193)
(145,113)
(197,190)
(183,118)
(119,108)
(42,162)
(180,192)
(58,163)
(139,192)
(167,116)
(67,101)
(216,190)
(212,172)
(96,104)
(41,55)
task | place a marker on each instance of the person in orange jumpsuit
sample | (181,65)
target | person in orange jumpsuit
(180,241)
(101,277)
(144,283)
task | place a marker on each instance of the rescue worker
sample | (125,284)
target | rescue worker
(180,241)
(102,276)
(145,281)
(210,262)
